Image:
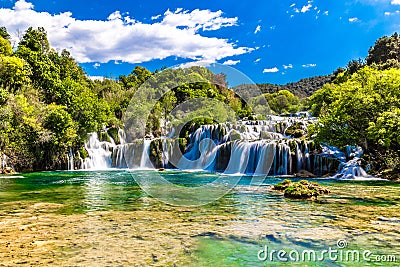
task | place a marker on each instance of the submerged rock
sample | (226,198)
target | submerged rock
(301,190)
(305,174)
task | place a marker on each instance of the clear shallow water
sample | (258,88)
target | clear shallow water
(104,218)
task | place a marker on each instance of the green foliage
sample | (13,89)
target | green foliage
(4,33)
(386,129)
(60,123)
(5,47)
(14,73)
(385,53)
(283,101)
(4,95)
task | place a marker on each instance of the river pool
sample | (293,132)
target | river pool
(103,218)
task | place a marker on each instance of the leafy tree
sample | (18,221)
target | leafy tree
(14,73)
(61,125)
(4,33)
(4,95)
(386,52)
(5,47)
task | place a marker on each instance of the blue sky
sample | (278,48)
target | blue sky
(274,41)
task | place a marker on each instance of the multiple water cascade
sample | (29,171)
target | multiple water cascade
(245,147)
(350,170)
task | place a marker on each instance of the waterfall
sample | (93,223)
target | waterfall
(71,160)
(245,147)
(145,162)
(351,170)
(99,153)
(239,159)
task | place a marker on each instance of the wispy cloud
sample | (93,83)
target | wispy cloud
(231,62)
(309,65)
(96,65)
(124,39)
(392,13)
(258,29)
(271,70)
(290,66)
(306,8)
(257,60)
(352,20)
(156,17)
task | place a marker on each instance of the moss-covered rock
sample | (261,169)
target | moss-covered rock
(301,190)
(234,135)
(113,133)
(295,130)
(265,135)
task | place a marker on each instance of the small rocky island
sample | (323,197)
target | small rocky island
(301,190)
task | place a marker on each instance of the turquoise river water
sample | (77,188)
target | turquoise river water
(103,218)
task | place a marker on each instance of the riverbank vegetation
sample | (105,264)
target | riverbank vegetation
(362,107)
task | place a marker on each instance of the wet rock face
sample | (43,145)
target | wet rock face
(156,153)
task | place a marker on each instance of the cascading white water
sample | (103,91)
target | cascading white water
(239,159)
(245,147)
(351,170)
(99,153)
(145,162)
(71,160)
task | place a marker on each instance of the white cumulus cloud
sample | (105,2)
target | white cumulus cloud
(231,62)
(271,70)
(124,39)
(395,2)
(23,5)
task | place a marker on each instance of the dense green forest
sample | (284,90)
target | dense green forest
(49,105)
